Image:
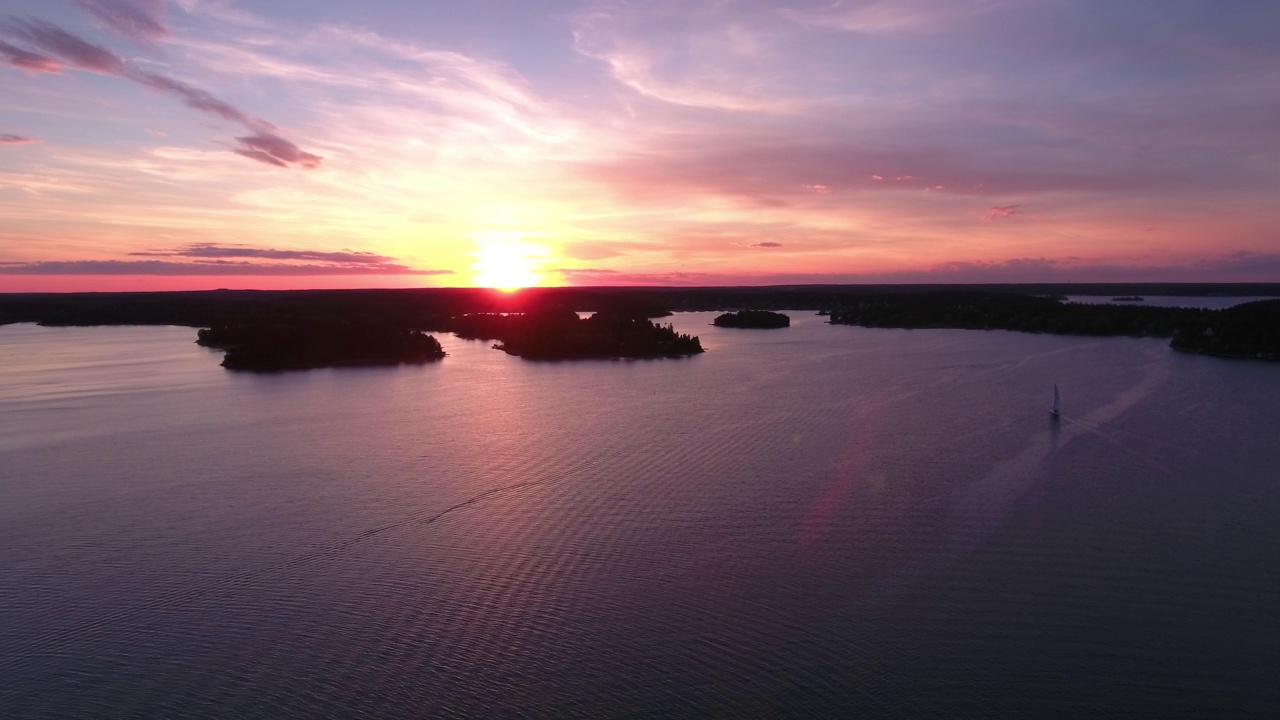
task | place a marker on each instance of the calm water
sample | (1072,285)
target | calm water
(821,521)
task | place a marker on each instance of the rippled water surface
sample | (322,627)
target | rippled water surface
(820,521)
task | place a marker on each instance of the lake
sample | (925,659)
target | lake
(821,521)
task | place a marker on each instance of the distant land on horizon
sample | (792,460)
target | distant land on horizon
(1176,289)
(530,328)
(430,308)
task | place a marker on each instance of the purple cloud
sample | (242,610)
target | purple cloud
(196,98)
(11,139)
(27,60)
(212,259)
(141,20)
(1243,263)
(263,146)
(72,50)
(211,267)
(767,244)
(205,250)
(275,150)
(83,55)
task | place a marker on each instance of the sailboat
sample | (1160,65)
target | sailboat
(1056,408)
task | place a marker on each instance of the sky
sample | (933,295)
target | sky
(196,144)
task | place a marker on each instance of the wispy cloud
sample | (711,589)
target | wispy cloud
(196,98)
(1233,267)
(886,17)
(209,267)
(275,150)
(69,50)
(141,20)
(28,60)
(721,56)
(651,140)
(210,250)
(595,276)
(767,244)
(11,139)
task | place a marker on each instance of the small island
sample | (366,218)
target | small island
(757,319)
(557,333)
(1129,298)
(275,348)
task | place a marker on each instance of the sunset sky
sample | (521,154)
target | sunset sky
(190,144)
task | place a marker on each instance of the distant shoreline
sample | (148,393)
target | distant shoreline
(322,327)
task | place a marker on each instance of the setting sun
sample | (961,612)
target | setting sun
(507,265)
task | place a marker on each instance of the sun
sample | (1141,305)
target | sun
(507,265)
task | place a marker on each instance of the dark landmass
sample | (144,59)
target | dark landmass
(1006,311)
(762,319)
(557,333)
(431,309)
(1128,298)
(624,330)
(1251,330)
(273,348)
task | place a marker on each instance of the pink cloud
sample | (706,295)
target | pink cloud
(996,213)
(27,60)
(136,19)
(11,139)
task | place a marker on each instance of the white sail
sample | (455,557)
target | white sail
(1057,401)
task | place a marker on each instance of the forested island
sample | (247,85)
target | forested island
(1249,330)
(1009,311)
(557,333)
(273,348)
(760,319)
(1128,298)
